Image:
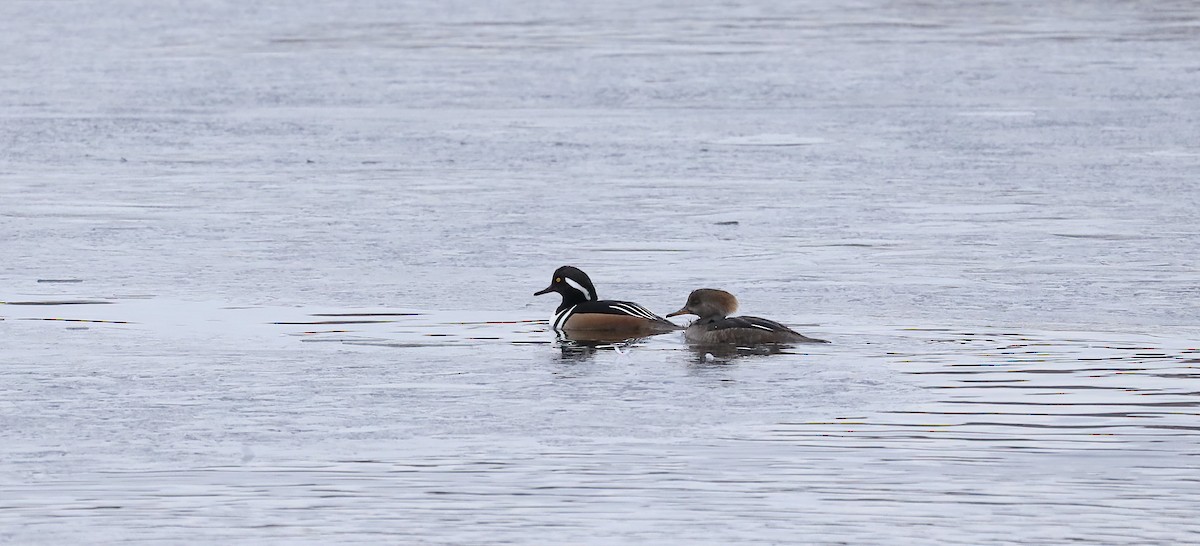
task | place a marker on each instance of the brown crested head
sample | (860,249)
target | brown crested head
(708,303)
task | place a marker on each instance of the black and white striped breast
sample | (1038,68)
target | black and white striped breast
(561,317)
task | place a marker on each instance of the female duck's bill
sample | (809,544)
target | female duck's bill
(715,327)
(582,314)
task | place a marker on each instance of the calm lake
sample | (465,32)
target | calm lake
(267,271)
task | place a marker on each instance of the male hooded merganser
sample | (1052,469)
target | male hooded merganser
(582,312)
(715,326)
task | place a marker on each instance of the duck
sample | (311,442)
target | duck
(716,327)
(582,315)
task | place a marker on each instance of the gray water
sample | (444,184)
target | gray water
(268,271)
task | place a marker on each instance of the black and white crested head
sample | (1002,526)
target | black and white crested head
(573,284)
(708,303)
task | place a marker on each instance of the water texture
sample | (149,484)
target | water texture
(267,271)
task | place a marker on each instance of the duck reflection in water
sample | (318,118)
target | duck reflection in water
(584,347)
(724,353)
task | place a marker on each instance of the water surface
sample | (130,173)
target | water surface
(268,272)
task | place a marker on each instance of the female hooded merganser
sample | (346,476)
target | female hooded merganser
(715,326)
(582,312)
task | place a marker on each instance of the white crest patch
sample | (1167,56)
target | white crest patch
(571,282)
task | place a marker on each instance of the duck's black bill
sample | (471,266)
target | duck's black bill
(545,290)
